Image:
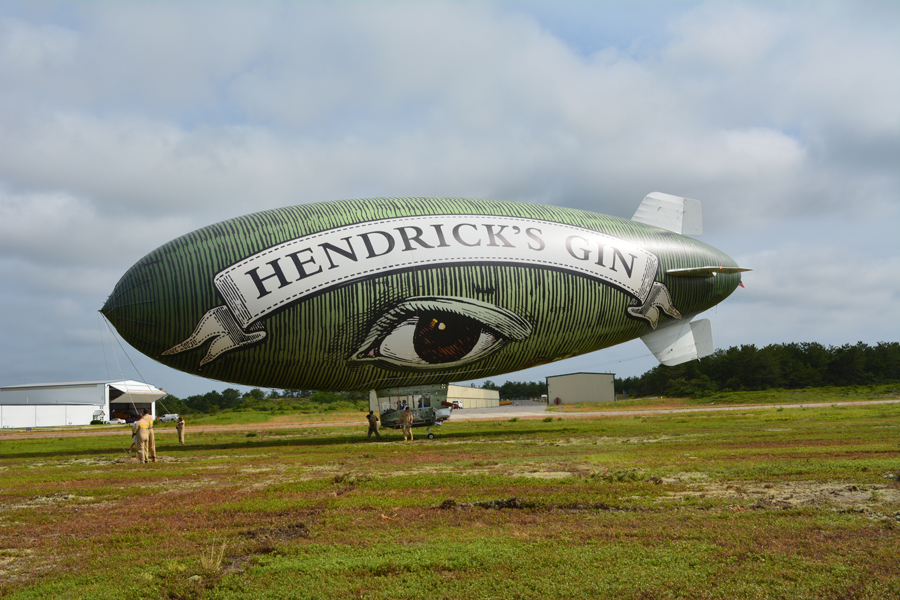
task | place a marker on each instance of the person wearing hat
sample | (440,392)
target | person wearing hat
(143,432)
(406,420)
(372,418)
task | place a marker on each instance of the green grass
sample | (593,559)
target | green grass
(317,414)
(797,503)
(779,396)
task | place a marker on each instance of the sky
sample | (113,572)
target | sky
(125,125)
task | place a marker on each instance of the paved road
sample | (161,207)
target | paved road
(521,408)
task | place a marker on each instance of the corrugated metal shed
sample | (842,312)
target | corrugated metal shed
(473,397)
(575,388)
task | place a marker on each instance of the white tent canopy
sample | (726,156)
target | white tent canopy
(134,392)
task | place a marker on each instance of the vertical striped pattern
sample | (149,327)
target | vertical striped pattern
(159,301)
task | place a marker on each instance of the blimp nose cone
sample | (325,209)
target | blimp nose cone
(129,305)
(162,297)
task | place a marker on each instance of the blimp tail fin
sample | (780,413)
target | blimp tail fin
(681,215)
(678,342)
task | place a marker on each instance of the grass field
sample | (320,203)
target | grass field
(775,503)
(765,397)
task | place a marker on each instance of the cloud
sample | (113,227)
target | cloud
(293,103)
(831,282)
(27,50)
(125,125)
(59,230)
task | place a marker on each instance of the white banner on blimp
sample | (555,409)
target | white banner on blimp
(290,272)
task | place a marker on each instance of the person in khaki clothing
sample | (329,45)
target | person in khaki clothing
(372,418)
(146,443)
(151,445)
(406,420)
(179,427)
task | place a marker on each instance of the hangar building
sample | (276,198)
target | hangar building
(575,388)
(473,397)
(76,403)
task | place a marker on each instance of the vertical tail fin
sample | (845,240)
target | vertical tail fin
(681,215)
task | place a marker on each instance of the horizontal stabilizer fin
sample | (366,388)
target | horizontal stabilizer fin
(679,342)
(706,271)
(681,215)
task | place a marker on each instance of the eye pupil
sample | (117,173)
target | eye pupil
(447,339)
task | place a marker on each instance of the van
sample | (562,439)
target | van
(169,417)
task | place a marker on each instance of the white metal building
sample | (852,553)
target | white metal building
(75,403)
(576,388)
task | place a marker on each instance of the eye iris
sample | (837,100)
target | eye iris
(445,338)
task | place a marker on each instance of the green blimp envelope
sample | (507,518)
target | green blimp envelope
(386,292)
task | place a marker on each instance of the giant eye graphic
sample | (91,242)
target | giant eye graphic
(440,332)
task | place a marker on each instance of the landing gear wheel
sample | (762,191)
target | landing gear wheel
(430,436)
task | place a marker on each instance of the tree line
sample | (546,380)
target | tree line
(513,390)
(748,368)
(739,368)
(258,400)
(791,366)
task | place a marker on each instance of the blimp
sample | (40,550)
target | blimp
(385,294)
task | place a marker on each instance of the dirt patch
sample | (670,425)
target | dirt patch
(282,533)
(451,504)
(265,540)
(548,475)
(246,470)
(128,460)
(42,501)
(686,477)
(86,462)
(531,469)
(873,500)
(307,419)
(17,565)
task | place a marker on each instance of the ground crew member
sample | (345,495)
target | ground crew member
(406,420)
(179,427)
(133,439)
(372,418)
(151,445)
(143,429)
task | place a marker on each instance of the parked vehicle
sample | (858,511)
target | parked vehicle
(116,421)
(169,417)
